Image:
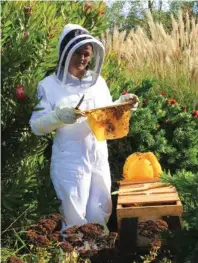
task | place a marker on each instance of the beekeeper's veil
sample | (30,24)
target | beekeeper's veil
(73,37)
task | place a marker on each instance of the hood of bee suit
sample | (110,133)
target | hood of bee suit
(73,37)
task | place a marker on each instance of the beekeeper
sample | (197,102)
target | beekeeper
(79,164)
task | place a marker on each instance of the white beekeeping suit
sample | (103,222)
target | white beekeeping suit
(79,164)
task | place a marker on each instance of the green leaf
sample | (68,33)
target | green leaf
(7,23)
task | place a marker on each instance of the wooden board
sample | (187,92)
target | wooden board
(147,193)
(138,198)
(122,182)
(127,190)
(155,210)
(155,191)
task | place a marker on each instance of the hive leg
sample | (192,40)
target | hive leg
(128,235)
(174,222)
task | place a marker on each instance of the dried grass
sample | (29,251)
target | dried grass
(172,56)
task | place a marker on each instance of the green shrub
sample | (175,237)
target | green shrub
(184,243)
(160,125)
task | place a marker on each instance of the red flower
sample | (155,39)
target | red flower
(163,94)
(195,114)
(172,101)
(125,92)
(20,93)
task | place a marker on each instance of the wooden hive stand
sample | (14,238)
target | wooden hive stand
(146,200)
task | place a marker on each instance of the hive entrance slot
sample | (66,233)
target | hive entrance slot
(148,204)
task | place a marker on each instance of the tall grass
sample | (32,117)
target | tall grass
(171,58)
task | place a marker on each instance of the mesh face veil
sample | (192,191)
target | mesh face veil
(72,38)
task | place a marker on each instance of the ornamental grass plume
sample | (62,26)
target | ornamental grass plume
(171,57)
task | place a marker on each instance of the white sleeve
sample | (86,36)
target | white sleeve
(41,109)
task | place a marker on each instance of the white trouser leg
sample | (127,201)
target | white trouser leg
(72,189)
(99,205)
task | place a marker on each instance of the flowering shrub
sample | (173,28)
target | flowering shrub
(163,126)
(80,243)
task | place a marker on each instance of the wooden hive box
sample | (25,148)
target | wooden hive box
(153,200)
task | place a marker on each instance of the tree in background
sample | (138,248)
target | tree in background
(116,15)
(127,15)
(185,6)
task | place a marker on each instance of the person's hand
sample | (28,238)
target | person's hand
(68,115)
(130,96)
